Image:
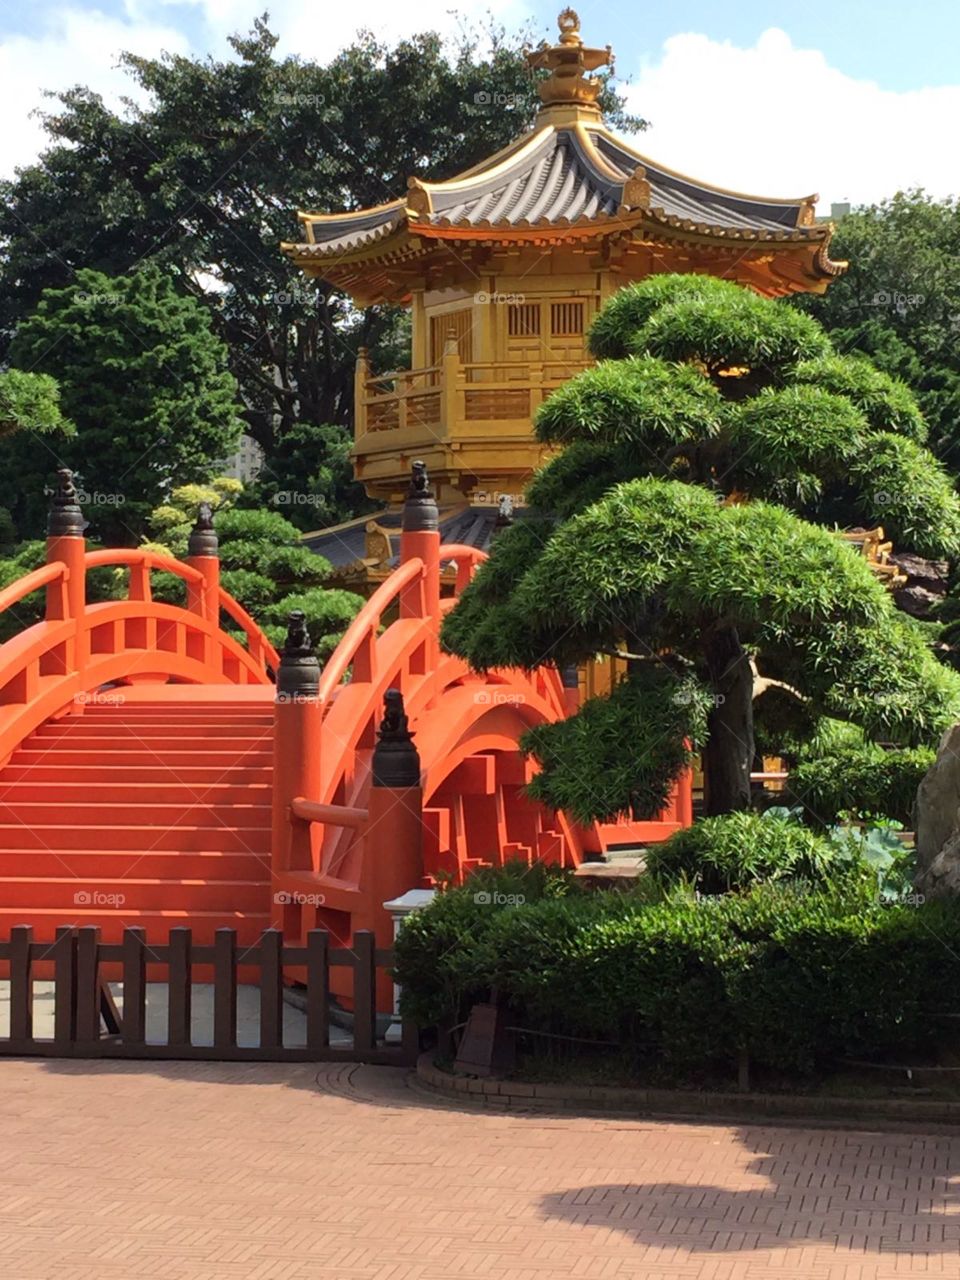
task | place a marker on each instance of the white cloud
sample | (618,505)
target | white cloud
(780,121)
(81,46)
(320,33)
(74,48)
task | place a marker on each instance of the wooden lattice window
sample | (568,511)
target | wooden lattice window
(566,319)
(523,320)
(461,322)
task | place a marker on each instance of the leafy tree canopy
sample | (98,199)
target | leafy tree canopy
(144,377)
(899,302)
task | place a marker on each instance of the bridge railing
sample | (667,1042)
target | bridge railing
(467,559)
(79,645)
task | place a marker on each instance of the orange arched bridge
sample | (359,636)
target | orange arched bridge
(162,765)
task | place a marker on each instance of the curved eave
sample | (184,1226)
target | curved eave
(711,231)
(589,127)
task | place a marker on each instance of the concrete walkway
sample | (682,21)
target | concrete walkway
(132,1171)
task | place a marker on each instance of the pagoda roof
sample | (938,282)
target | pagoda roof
(577,176)
(569,180)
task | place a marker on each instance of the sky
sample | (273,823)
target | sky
(853,100)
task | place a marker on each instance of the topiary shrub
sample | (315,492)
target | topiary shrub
(443,951)
(741,849)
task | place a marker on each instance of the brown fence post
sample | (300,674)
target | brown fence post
(21,983)
(88,985)
(318,989)
(225,988)
(178,984)
(271,989)
(134,1025)
(65,986)
(364,991)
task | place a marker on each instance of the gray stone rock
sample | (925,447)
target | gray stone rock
(931,574)
(917,601)
(938,821)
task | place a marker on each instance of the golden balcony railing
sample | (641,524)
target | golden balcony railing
(456,399)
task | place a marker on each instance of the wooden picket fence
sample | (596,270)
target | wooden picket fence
(88,1024)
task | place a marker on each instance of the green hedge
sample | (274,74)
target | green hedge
(800,978)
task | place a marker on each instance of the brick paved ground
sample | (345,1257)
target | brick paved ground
(226,1172)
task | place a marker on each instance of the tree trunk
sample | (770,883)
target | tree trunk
(728,755)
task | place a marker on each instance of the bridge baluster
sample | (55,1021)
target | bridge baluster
(66,544)
(420,539)
(203,554)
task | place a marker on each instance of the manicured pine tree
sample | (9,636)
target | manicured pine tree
(689,522)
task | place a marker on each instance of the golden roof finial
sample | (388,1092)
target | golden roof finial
(567,87)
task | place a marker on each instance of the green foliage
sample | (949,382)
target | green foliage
(693,512)
(783,722)
(656,556)
(732,328)
(738,850)
(314,463)
(904,489)
(24,558)
(612,330)
(640,401)
(144,379)
(885,402)
(774,572)
(632,745)
(328,613)
(250,588)
(263,565)
(800,978)
(884,678)
(788,442)
(898,303)
(862,780)
(580,476)
(31,402)
(440,947)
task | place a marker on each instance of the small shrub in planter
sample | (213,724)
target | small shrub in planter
(740,849)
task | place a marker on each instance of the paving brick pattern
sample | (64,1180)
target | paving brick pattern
(208,1171)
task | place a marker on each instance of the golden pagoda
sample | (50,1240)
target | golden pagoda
(503,268)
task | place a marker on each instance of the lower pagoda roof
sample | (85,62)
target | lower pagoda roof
(566,180)
(349,549)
